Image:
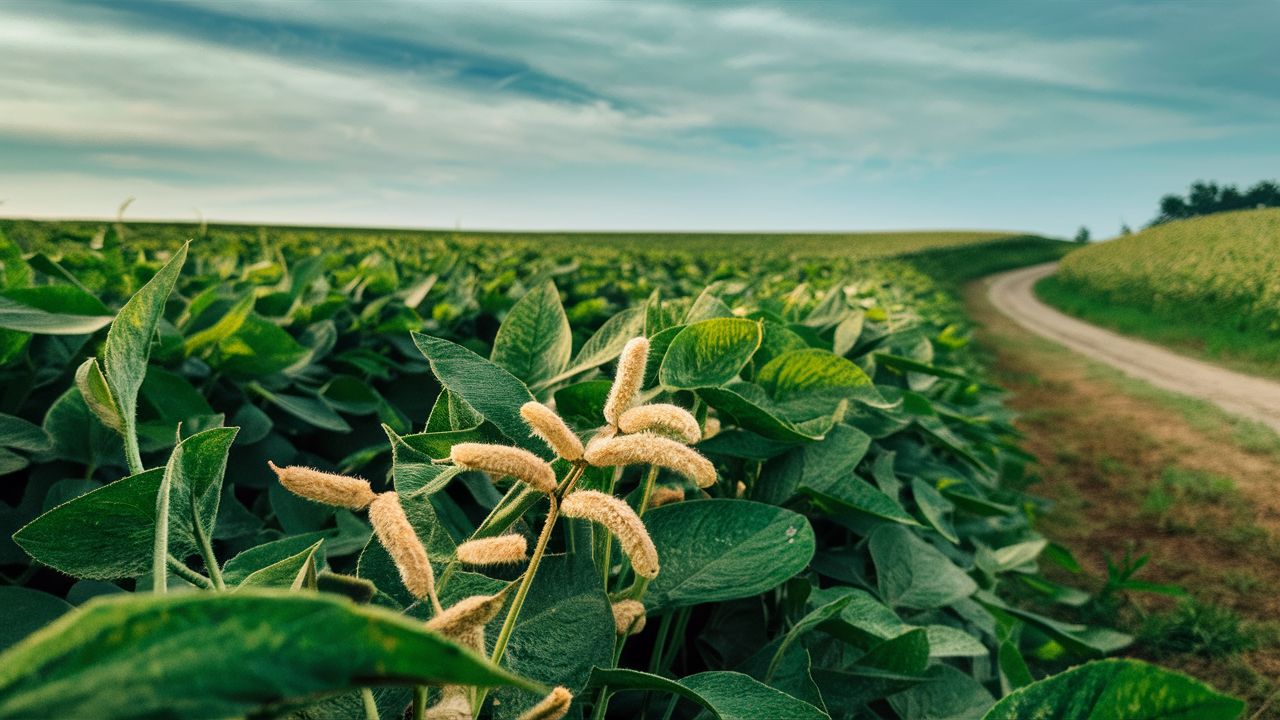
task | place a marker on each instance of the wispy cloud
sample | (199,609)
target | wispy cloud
(202,103)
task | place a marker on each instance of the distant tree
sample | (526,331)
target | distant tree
(1125,229)
(1082,235)
(1204,198)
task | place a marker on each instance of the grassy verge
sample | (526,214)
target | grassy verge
(1130,471)
(1220,341)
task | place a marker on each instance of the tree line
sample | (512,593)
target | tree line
(1208,197)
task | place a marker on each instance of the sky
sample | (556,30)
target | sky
(986,114)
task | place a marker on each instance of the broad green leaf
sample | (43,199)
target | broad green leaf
(710,550)
(128,345)
(1117,690)
(746,405)
(492,391)
(534,341)
(911,573)
(1079,639)
(257,348)
(79,435)
(709,353)
(226,325)
(706,307)
(19,434)
(817,466)
(52,310)
(583,402)
(725,695)
(194,475)
(106,534)
(935,508)
(235,570)
(805,384)
(564,630)
(906,654)
(948,694)
(805,624)
(311,409)
(602,347)
(26,611)
(213,655)
(291,572)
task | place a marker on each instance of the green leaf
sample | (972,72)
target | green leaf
(725,695)
(19,434)
(290,572)
(1117,690)
(805,624)
(194,475)
(128,344)
(490,390)
(207,655)
(226,325)
(235,570)
(709,353)
(26,611)
(605,345)
(310,409)
(106,534)
(711,550)
(947,694)
(747,406)
(52,310)
(805,384)
(257,348)
(935,508)
(534,341)
(565,628)
(912,573)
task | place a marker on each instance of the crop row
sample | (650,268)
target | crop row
(797,497)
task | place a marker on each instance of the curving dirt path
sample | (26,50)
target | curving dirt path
(1245,395)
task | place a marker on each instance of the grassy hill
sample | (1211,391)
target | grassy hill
(1208,285)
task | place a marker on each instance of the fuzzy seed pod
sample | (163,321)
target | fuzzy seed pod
(650,449)
(454,704)
(500,550)
(631,366)
(740,490)
(397,536)
(552,707)
(628,616)
(622,521)
(711,428)
(547,425)
(660,417)
(323,487)
(665,495)
(502,460)
(460,620)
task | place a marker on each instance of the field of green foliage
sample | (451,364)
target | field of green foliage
(1210,283)
(335,474)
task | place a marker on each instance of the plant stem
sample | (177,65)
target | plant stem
(180,568)
(419,702)
(160,549)
(370,705)
(132,455)
(206,551)
(649,480)
(660,643)
(509,624)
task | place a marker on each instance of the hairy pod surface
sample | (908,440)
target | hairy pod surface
(454,704)
(627,381)
(552,707)
(551,428)
(463,617)
(395,533)
(622,521)
(660,417)
(500,550)
(327,488)
(650,449)
(503,461)
(628,616)
(665,495)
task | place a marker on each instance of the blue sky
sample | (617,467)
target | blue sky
(1037,116)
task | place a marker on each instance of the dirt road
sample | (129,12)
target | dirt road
(1251,397)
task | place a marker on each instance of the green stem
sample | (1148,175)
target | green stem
(206,551)
(160,548)
(370,705)
(181,570)
(649,480)
(682,623)
(132,455)
(509,624)
(419,702)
